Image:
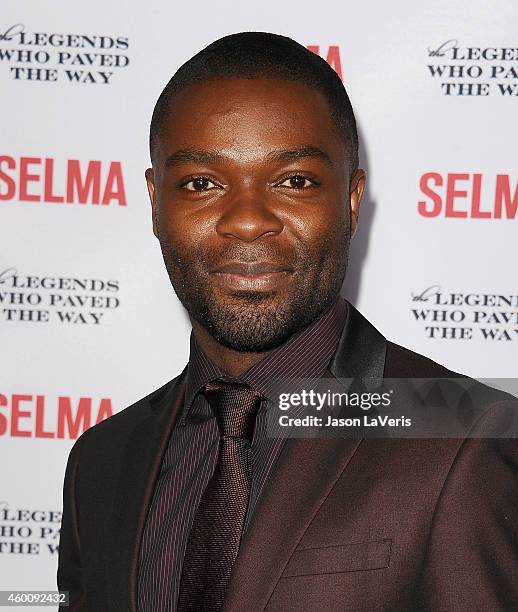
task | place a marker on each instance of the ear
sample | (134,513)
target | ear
(150,180)
(355,195)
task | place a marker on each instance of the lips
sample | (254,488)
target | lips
(251,268)
(251,276)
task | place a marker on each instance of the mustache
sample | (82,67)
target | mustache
(250,253)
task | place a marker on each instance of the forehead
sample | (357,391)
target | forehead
(249,113)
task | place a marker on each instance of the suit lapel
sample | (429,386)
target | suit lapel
(303,476)
(140,466)
(361,350)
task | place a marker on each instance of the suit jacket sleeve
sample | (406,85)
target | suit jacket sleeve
(70,575)
(472,556)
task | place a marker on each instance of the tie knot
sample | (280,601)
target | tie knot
(235,406)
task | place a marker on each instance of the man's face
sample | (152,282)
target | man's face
(253,206)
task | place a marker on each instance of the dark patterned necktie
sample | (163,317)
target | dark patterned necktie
(216,532)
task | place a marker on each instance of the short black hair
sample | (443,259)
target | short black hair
(262,54)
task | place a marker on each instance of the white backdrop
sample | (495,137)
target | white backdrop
(88,320)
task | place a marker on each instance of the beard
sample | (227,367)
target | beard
(258,321)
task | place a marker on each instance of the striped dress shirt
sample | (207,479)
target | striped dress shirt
(191,454)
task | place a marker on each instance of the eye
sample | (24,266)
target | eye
(199,183)
(297,181)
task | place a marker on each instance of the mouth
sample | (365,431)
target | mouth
(251,276)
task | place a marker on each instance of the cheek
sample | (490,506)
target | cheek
(182,228)
(319,227)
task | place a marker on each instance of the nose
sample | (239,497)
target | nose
(247,217)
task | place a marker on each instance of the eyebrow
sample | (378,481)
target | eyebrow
(192,155)
(207,157)
(302,152)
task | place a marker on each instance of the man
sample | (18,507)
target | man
(183,501)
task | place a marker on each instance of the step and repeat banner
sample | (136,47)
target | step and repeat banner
(88,320)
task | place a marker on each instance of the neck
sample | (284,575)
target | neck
(229,360)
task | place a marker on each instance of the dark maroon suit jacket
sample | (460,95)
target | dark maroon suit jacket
(343,524)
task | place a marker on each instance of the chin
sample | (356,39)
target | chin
(252,321)
(268,298)
(250,343)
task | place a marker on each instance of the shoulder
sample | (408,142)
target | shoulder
(115,430)
(401,362)
(484,463)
